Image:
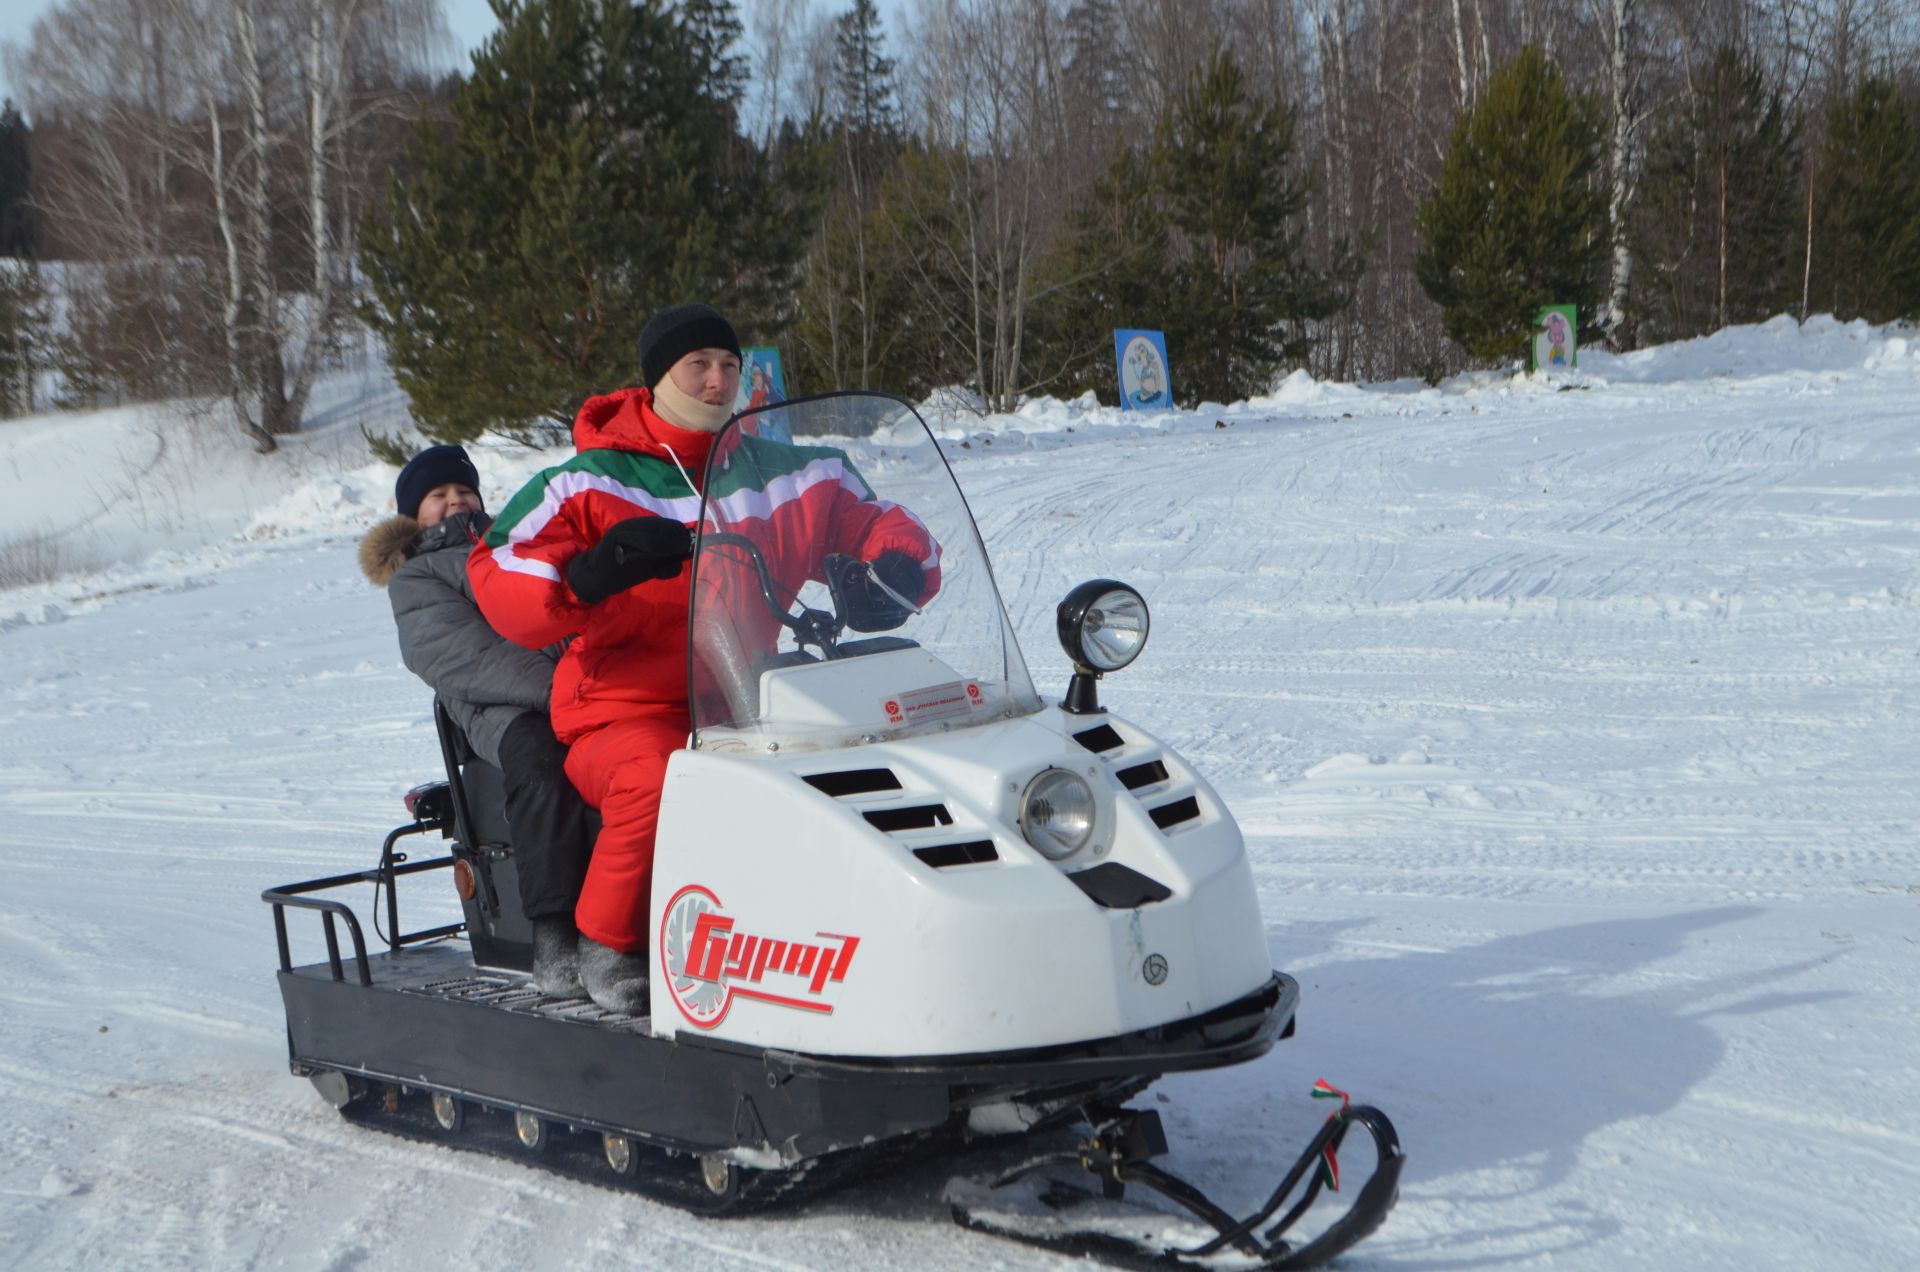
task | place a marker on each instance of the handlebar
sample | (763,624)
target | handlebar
(810,626)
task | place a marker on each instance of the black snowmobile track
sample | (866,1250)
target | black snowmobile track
(659,1174)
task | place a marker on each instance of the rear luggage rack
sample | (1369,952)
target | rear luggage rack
(392,866)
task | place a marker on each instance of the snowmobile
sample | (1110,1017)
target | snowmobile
(899,900)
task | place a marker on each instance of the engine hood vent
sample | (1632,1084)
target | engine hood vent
(973,853)
(1153,776)
(913,817)
(1100,739)
(1181,810)
(852,782)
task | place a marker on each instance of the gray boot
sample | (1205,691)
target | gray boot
(556,958)
(615,981)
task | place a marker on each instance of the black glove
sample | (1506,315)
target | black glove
(633,551)
(865,606)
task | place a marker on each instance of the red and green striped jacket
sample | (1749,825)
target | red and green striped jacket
(629,653)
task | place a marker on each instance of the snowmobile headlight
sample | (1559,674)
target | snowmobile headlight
(1057,813)
(1103,625)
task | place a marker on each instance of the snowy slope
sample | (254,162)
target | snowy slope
(1571,723)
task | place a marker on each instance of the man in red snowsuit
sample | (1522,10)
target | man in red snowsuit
(596,549)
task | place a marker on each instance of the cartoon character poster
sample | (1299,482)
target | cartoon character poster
(1145,382)
(1556,342)
(762,383)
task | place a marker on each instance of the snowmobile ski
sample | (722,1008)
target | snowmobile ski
(1046,1200)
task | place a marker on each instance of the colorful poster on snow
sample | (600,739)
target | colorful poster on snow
(1556,341)
(1145,382)
(762,383)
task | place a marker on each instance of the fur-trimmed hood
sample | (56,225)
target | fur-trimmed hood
(484,679)
(397,540)
(384,550)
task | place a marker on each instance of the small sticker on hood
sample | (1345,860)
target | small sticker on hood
(937,702)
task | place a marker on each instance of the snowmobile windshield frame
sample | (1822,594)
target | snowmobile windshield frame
(841,594)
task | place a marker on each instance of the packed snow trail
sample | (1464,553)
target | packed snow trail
(1573,734)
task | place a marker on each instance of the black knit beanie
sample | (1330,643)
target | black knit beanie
(675,332)
(432,468)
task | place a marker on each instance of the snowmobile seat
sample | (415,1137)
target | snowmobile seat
(497,927)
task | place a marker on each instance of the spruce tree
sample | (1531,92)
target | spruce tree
(855,294)
(714,27)
(16,184)
(25,334)
(1095,89)
(586,178)
(1518,218)
(1866,234)
(1111,267)
(925,272)
(1716,223)
(863,77)
(1243,292)
(849,305)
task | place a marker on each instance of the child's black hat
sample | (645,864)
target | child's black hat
(432,468)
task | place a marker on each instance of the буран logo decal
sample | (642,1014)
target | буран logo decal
(709,962)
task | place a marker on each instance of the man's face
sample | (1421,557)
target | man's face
(712,375)
(445,501)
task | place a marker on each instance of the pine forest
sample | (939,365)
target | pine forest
(220,199)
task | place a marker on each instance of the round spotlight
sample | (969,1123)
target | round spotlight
(1103,625)
(1057,813)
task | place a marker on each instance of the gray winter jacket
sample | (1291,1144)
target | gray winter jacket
(484,678)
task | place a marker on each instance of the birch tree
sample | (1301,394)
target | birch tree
(215,148)
(976,204)
(1618,24)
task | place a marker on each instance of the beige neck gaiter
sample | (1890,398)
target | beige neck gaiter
(683,410)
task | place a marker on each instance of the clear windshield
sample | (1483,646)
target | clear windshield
(840,591)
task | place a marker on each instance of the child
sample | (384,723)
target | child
(495,690)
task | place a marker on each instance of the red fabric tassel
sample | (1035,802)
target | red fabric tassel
(1329,1164)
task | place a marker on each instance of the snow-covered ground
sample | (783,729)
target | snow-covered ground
(1573,725)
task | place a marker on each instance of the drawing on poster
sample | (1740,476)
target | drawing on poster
(762,383)
(1145,382)
(1556,341)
